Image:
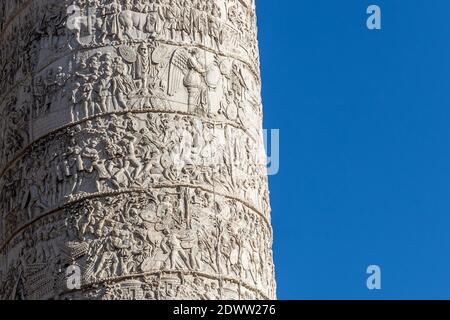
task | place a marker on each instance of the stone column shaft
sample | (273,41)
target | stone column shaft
(131,151)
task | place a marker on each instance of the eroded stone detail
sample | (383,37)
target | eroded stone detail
(131,147)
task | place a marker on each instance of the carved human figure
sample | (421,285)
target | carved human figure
(84,89)
(214,25)
(122,241)
(165,209)
(60,177)
(203,17)
(122,85)
(110,26)
(104,83)
(76,167)
(185,24)
(197,22)
(154,17)
(246,259)
(142,68)
(108,264)
(102,174)
(192,239)
(131,157)
(177,256)
(171,13)
(33,193)
(195,83)
(54,88)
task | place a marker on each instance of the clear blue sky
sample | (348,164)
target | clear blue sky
(365,146)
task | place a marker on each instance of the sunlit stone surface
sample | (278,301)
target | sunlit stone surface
(131,151)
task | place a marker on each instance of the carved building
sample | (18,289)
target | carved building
(131,151)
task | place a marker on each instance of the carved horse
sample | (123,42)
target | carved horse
(130,20)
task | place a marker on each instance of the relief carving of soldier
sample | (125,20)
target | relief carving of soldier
(142,68)
(215,26)
(171,13)
(110,26)
(104,85)
(185,24)
(122,84)
(154,17)
(186,69)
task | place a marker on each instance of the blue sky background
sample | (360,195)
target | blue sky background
(365,146)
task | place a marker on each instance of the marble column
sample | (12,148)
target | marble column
(131,151)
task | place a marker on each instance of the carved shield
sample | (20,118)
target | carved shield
(225,67)
(128,53)
(212,77)
(159,54)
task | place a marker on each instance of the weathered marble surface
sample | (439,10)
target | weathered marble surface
(131,146)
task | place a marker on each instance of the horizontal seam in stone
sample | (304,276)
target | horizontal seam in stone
(201,274)
(20,154)
(81,49)
(125,191)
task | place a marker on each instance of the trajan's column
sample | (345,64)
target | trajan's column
(131,151)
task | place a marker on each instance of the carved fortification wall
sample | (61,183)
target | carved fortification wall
(131,148)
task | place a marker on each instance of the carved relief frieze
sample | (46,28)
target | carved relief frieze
(46,30)
(164,235)
(133,151)
(145,76)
